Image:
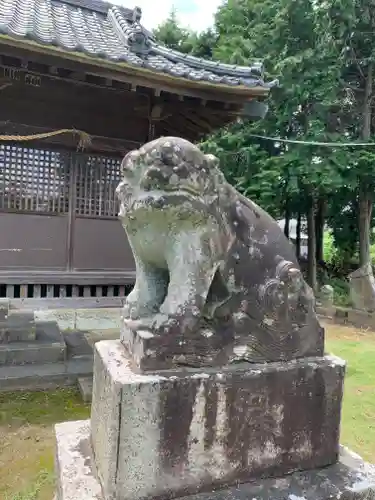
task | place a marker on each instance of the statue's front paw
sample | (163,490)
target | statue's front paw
(161,323)
(130,310)
(158,324)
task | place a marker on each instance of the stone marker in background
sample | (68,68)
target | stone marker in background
(220,376)
(362,288)
(326,296)
(325,300)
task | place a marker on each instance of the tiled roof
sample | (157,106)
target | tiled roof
(99,29)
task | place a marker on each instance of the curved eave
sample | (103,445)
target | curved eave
(144,76)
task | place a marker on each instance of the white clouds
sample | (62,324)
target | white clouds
(196,14)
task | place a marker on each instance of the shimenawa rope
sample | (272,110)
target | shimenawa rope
(84,137)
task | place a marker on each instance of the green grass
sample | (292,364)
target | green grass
(358,418)
(42,408)
(45,480)
(27,440)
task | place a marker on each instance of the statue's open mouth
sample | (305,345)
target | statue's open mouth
(157,199)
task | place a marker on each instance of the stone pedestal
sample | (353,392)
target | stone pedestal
(241,433)
(350,478)
(175,433)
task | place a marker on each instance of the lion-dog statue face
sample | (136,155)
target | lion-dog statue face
(210,264)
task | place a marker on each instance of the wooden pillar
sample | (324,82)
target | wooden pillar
(151,125)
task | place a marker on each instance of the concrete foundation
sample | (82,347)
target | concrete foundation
(349,479)
(172,433)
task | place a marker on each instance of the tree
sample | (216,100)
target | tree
(173,36)
(323,54)
(291,37)
(352,28)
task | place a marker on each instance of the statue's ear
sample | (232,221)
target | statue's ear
(129,162)
(212,161)
(213,166)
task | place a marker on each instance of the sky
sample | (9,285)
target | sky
(196,14)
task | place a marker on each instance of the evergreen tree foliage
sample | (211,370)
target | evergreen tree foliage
(323,53)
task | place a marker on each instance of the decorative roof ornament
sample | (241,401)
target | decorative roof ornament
(136,37)
(137,15)
(138,41)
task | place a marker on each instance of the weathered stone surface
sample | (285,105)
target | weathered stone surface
(36,377)
(325,300)
(4,308)
(154,352)
(18,326)
(24,353)
(362,288)
(21,318)
(46,345)
(349,479)
(74,465)
(17,334)
(77,344)
(182,431)
(214,270)
(85,388)
(43,363)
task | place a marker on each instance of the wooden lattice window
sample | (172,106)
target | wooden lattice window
(33,180)
(97,180)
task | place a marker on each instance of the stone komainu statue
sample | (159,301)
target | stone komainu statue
(216,279)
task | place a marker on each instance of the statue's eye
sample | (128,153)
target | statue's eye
(126,169)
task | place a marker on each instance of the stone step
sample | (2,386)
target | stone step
(42,377)
(17,326)
(22,353)
(77,344)
(85,387)
(21,317)
(17,334)
(48,347)
(4,308)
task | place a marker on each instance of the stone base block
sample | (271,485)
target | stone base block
(350,478)
(151,352)
(172,433)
